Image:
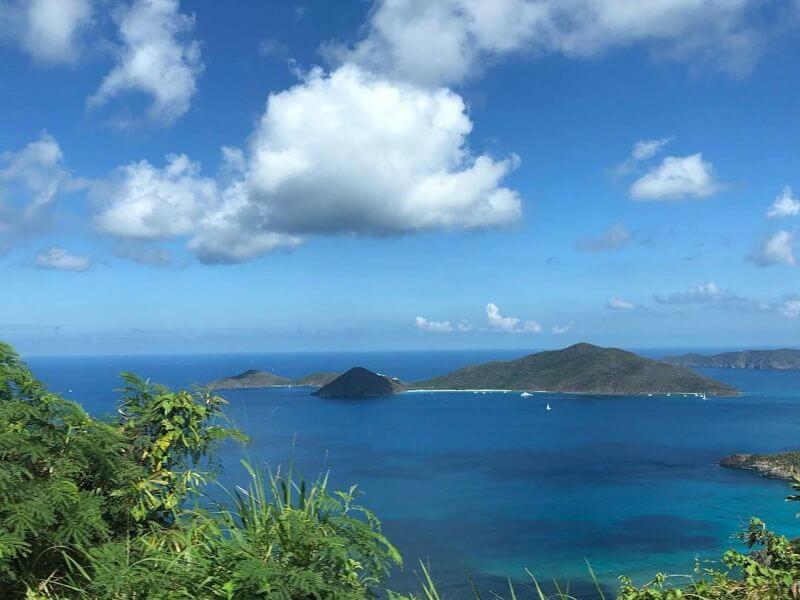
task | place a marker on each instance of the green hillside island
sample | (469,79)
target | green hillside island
(359,382)
(780,359)
(582,368)
(255,379)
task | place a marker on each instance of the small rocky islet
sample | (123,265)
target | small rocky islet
(359,382)
(781,465)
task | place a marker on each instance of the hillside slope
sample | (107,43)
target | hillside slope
(580,368)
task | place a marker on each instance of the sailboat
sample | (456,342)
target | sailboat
(548,407)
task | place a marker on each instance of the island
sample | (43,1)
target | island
(582,368)
(783,465)
(254,379)
(359,382)
(780,360)
(251,378)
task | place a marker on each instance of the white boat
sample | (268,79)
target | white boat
(548,407)
(526,394)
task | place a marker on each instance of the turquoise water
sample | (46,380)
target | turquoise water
(490,484)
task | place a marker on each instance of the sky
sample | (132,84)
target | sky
(264,175)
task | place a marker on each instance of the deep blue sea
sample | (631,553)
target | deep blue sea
(489,483)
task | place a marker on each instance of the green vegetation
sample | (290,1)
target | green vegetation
(580,368)
(96,510)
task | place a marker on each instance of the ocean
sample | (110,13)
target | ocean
(491,484)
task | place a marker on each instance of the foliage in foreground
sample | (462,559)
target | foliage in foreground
(93,509)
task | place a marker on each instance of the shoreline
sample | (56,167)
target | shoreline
(563,392)
(506,391)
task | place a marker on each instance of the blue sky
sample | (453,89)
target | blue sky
(265,176)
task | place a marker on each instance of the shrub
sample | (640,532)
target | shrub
(94,510)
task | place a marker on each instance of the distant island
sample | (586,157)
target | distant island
(779,360)
(359,382)
(583,368)
(317,379)
(251,378)
(784,465)
(254,379)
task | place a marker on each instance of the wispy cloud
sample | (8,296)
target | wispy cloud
(677,178)
(143,254)
(620,304)
(642,150)
(710,294)
(698,294)
(61,260)
(613,238)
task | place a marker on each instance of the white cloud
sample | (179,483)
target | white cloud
(424,324)
(434,326)
(30,182)
(613,238)
(448,41)
(785,205)
(157,59)
(676,178)
(350,152)
(141,201)
(710,294)
(620,304)
(48,30)
(562,329)
(789,307)
(345,153)
(706,292)
(497,322)
(776,249)
(61,260)
(464,326)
